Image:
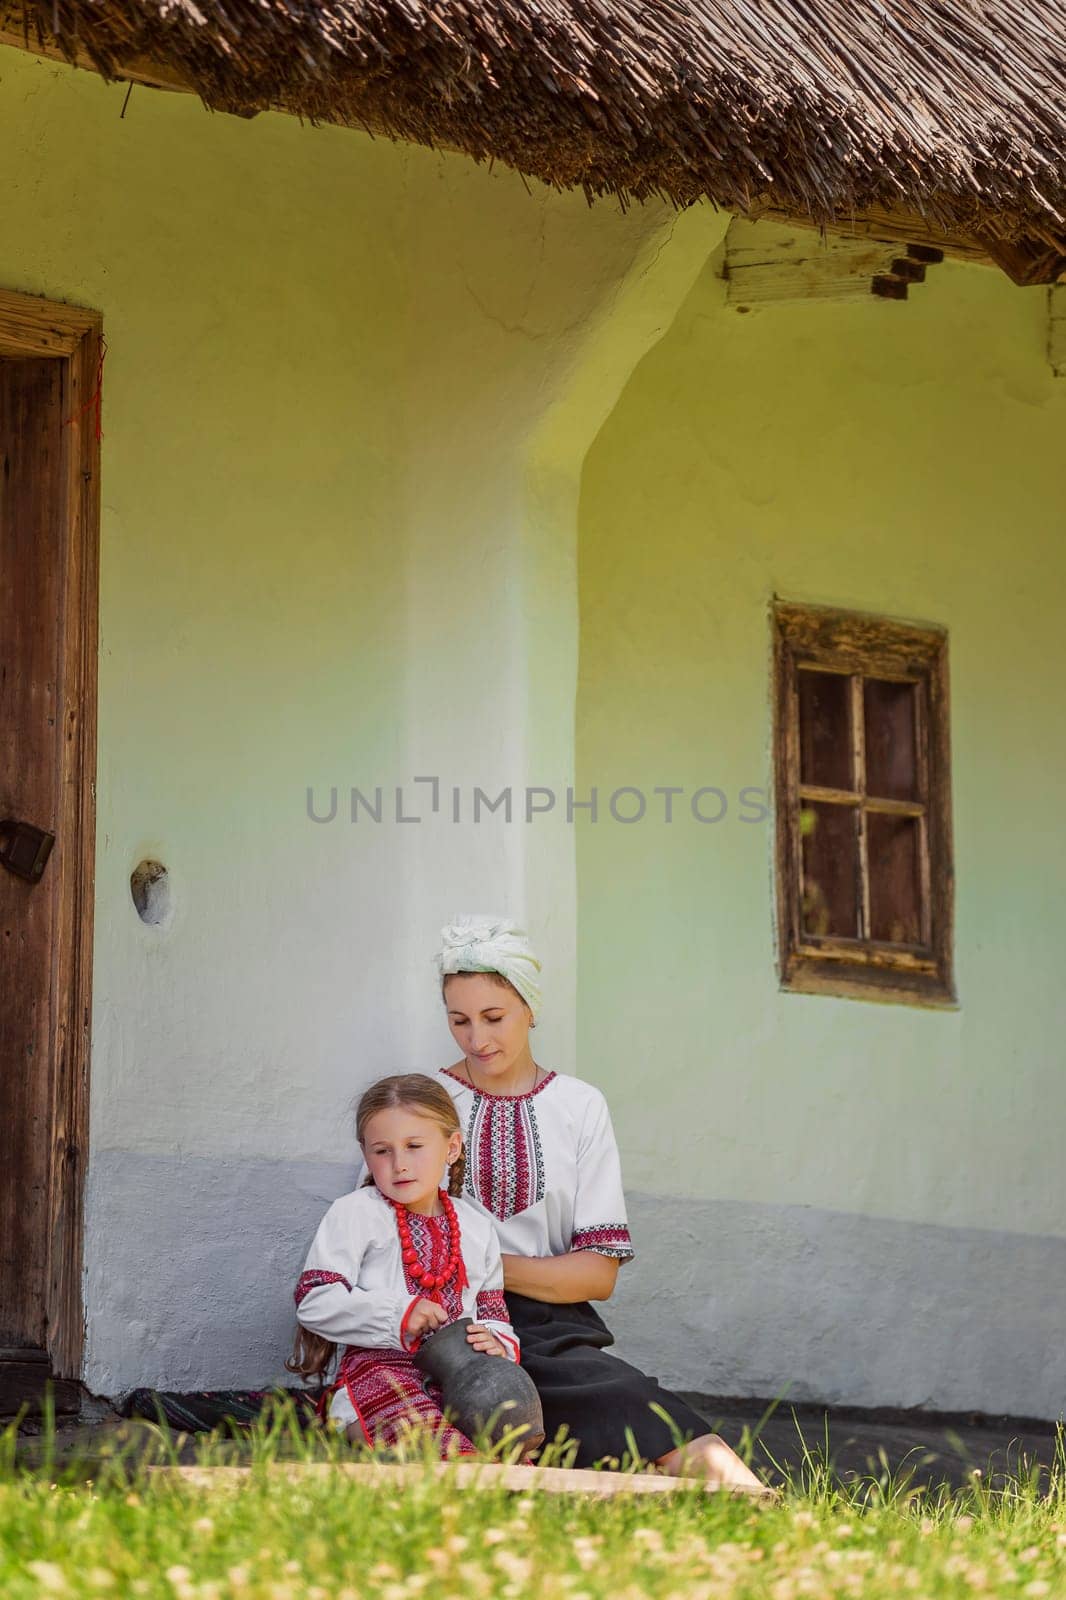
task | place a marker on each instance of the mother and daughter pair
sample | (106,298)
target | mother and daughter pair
(493,1191)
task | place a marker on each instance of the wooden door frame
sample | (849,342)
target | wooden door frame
(35,327)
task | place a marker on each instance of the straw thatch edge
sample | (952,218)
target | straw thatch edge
(616,99)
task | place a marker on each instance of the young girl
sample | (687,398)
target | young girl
(394,1261)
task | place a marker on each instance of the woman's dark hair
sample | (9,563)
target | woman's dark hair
(311,1353)
(493,977)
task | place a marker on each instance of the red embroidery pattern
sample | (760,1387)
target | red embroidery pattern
(316,1280)
(388,1394)
(432,1240)
(491,1306)
(506,1168)
(607,1239)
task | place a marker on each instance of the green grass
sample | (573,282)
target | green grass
(109,1528)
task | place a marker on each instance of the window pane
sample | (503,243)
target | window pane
(895,884)
(825,729)
(830,869)
(891,764)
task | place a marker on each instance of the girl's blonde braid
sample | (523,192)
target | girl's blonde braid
(457,1174)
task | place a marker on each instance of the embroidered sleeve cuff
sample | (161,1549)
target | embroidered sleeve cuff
(510,1344)
(607,1239)
(317,1279)
(491,1307)
(406,1342)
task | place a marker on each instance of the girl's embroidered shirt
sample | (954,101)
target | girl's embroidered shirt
(355,1290)
(545,1165)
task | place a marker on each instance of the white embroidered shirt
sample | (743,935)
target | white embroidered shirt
(354,1289)
(545,1166)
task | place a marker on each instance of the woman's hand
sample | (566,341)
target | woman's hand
(426,1317)
(483,1340)
(561,1280)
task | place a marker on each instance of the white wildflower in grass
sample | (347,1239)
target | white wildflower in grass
(203,1527)
(494,1536)
(586,1552)
(516,1568)
(52,1578)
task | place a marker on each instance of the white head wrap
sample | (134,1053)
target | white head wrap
(491,944)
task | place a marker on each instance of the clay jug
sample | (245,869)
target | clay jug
(483,1395)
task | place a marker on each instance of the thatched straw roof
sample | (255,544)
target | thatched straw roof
(955,109)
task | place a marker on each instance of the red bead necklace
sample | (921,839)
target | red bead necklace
(423,1277)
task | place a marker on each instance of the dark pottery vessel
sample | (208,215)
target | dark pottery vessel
(483,1395)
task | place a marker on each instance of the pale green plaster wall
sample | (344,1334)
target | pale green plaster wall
(906,459)
(831,1200)
(336,374)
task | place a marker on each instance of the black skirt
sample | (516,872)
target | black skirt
(604,1403)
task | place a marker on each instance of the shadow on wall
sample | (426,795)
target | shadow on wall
(213,1249)
(815,1305)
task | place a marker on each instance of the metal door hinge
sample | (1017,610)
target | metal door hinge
(24,849)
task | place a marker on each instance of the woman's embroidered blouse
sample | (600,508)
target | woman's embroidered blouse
(545,1166)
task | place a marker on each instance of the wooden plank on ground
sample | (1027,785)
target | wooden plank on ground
(460,1474)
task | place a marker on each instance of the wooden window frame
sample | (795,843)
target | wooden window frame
(856,642)
(34,327)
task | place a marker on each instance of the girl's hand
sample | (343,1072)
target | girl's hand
(426,1317)
(483,1340)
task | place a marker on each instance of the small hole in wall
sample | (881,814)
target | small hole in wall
(150,889)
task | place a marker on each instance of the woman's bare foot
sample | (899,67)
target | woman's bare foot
(711,1458)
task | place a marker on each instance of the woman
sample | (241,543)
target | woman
(542,1160)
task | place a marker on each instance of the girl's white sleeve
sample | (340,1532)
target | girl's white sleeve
(490,1309)
(329,1298)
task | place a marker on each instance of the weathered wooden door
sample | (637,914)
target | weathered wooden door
(49,362)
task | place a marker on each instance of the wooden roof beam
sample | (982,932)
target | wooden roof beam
(894,226)
(138,69)
(1027,262)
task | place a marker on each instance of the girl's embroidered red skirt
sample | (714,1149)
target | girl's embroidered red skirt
(391,1399)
